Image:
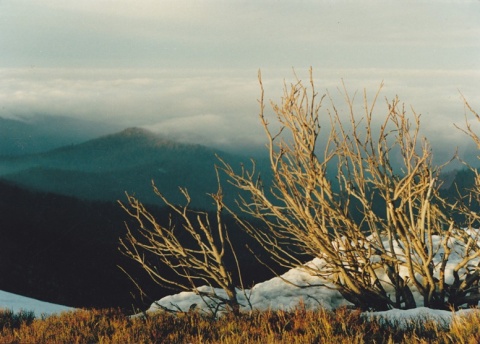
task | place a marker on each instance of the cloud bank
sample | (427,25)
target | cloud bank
(219,108)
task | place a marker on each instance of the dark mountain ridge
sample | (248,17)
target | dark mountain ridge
(122,150)
(105,168)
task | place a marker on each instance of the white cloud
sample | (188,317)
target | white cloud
(219,107)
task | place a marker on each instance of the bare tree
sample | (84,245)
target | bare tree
(378,223)
(195,250)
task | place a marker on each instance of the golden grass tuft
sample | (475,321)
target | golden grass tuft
(296,326)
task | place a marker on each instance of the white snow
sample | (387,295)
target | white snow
(277,293)
(18,303)
(404,318)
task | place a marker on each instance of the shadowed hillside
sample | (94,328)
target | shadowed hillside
(106,167)
(64,250)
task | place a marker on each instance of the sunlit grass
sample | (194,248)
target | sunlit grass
(297,326)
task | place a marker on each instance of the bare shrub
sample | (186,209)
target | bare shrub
(366,204)
(193,249)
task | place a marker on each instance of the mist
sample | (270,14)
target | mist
(220,108)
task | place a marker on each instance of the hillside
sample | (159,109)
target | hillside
(61,250)
(60,224)
(106,167)
(64,250)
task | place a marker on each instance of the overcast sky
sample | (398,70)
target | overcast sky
(189,68)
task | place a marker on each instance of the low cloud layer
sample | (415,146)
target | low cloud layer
(213,109)
(220,108)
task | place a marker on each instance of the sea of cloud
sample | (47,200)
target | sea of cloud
(219,108)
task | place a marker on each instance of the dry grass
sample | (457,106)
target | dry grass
(299,326)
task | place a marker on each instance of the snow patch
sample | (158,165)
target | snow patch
(298,287)
(17,303)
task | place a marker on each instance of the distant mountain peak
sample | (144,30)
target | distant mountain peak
(136,131)
(141,136)
(146,137)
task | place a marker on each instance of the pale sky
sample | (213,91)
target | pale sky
(189,68)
